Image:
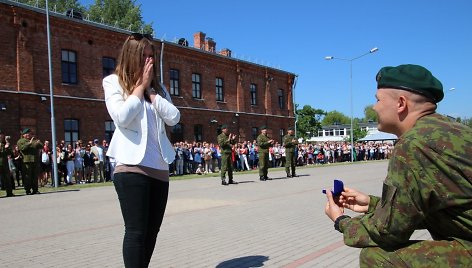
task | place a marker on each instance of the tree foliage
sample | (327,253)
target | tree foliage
(308,121)
(59,6)
(124,14)
(370,114)
(335,118)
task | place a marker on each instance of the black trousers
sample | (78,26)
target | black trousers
(143,201)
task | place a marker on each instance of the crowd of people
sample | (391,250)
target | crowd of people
(86,162)
(204,157)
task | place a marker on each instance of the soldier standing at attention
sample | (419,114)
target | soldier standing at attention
(428,183)
(264,143)
(290,142)
(5,151)
(226,140)
(29,147)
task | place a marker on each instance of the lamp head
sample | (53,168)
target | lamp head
(329,57)
(375,49)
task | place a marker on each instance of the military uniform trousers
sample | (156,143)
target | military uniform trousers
(226,165)
(263,164)
(418,254)
(290,163)
(6,181)
(30,178)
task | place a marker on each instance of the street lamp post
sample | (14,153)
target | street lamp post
(373,50)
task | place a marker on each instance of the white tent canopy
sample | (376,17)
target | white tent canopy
(379,136)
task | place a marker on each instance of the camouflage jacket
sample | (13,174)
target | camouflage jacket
(225,143)
(428,186)
(289,143)
(29,150)
(263,143)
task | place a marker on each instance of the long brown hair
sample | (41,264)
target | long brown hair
(131,62)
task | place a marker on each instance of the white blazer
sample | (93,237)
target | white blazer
(128,144)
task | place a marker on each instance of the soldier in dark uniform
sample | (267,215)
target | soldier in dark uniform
(5,151)
(428,183)
(290,143)
(29,147)
(226,140)
(264,143)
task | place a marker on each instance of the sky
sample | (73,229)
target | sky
(296,36)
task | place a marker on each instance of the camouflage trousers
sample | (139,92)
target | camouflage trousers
(418,254)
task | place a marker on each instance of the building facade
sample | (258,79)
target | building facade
(208,86)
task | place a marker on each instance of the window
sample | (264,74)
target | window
(196,87)
(108,65)
(174,82)
(281,135)
(69,67)
(280,96)
(219,89)
(109,130)
(253,92)
(177,133)
(198,132)
(71,131)
(254,133)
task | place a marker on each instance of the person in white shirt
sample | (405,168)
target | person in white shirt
(140,108)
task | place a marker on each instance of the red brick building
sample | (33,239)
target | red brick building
(209,87)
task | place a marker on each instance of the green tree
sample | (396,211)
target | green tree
(335,118)
(59,6)
(308,121)
(124,14)
(370,114)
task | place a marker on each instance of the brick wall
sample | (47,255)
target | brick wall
(25,79)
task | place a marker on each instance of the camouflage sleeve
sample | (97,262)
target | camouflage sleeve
(23,144)
(392,219)
(373,203)
(223,142)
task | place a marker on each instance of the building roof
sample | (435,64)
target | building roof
(379,136)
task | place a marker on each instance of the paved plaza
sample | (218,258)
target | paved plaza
(278,223)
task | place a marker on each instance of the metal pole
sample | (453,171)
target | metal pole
(51,96)
(352,116)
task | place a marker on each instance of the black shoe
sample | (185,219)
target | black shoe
(223,182)
(294,175)
(232,182)
(28,193)
(10,195)
(36,192)
(262,178)
(289,176)
(267,178)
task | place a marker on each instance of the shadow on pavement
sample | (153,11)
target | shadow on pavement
(244,262)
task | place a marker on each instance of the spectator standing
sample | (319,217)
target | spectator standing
(264,143)
(29,146)
(98,168)
(5,153)
(290,142)
(226,141)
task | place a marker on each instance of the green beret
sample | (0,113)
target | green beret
(25,130)
(224,126)
(412,78)
(263,127)
(290,128)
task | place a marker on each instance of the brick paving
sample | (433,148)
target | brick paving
(278,223)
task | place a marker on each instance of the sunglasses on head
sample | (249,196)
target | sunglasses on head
(139,36)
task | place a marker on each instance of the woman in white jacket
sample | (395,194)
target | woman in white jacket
(140,109)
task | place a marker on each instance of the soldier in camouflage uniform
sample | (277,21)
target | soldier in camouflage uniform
(5,151)
(29,147)
(428,184)
(226,140)
(264,144)
(290,142)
